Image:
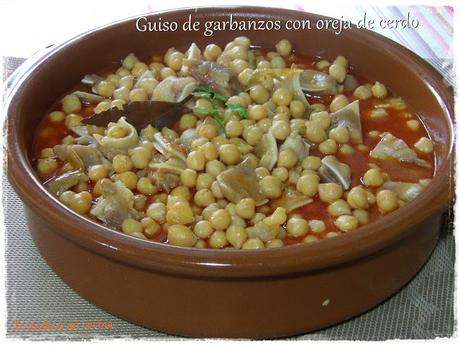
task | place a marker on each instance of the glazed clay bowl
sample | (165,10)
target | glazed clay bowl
(232,293)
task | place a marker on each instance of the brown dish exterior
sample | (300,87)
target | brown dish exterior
(212,293)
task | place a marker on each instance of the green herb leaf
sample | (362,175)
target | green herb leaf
(239,109)
(206,91)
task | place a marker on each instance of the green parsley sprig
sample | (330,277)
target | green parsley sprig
(207,92)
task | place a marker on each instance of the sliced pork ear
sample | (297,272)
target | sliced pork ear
(315,82)
(88,97)
(213,74)
(115,204)
(332,170)
(174,89)
(169,148)
(146,75)
(291,200)
(110,146)
(350,118)
(80,156)
(391,147)
(406,191)
(267,151)
(240,182)
(297,144)
(64,182)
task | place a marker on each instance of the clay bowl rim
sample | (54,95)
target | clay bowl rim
(231,263)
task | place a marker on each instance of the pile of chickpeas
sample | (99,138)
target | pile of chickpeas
(195,213)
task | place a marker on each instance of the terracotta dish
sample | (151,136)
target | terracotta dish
(215,293)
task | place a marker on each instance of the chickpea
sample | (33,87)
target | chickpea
(234,128)
(175,60)
(209,151)
(122,163)
(315,132)
(329,192)
(311,162)
(257,112)
(187,121)
(424,145)
(179,212)
(218,240)
(282,173)
(239,65)
(284,47)
(66,196)
(166,72)
(363,92)
(145,186)
(328,147)
(322,118)
(259,94)
(181,235)
(214,167)
(56,116)
(308,184)
(195,160)
(129,61)
(245,76)
(121,93)
(277,62)
(102,106)
(246,208)
(212,52)
(379,90)
(204,181)
(287,158)
(281,129)
(297,109)
(346,149)
(138,95)
(338,102)
(46,166)
(252,135)
(346,223)
(271,186)
(140,157)
(71,104)
(282,97)
(127,81)
(310,239)
(229,154)
(236,236)
(387,201)
(130,226)
(47,153)
(139,202)
(357,198)
(97,172)
(275,243)
(203,197)
(316,226)
(157,211)
(220,219)
(340,135)
(129,179)
(148,84)
(413,125)
(208,131)
(139,68)
(338,72)
(338,208)
(264,64)
(323,64)
(253,243)
(297,227)
(105,88)
(81,202)
(362,216)
(203,229)
(373,178)
(73,120)
(151,228)
(261,172)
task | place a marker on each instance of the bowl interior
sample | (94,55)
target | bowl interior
(371,55)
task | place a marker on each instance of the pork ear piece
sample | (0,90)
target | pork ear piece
(332,170)
(267,151)
(406,191)
(110,146)
(241,182)
(315,82)
(296,144)
(350,118)
(391,147)
(174,89)
(64,182)
(291,200)
(81,157)
(115,204)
